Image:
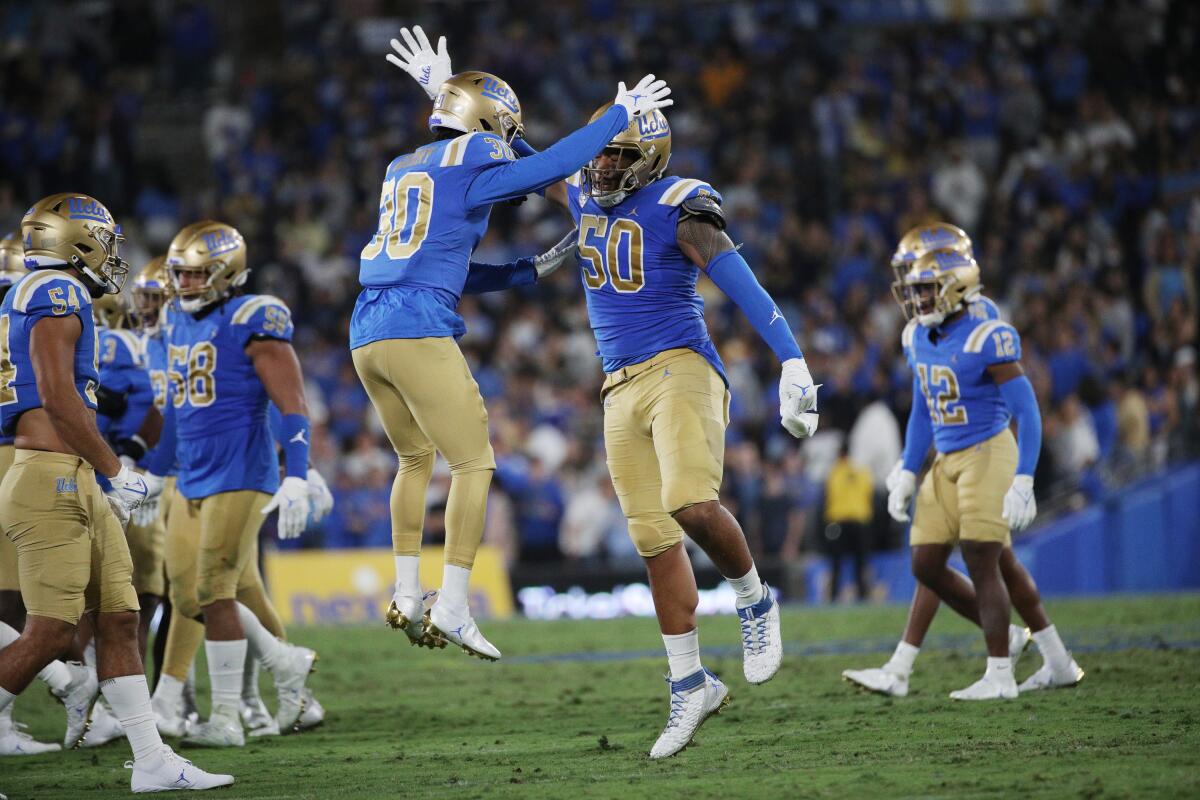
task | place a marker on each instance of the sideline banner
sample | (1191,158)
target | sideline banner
(331,587)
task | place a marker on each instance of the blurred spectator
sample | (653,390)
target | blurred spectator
(849,508)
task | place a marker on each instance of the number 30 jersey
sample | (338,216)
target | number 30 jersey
(641,288)
(965,405)
(40,294)
(224,437)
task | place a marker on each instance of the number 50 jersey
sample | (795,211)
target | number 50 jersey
(224,436)
(965,405)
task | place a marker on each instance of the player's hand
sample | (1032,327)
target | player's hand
(292,502)
(319,496)
(900,495)
(144,515)
(418,59)
(1020,507)
(894,475)
(648,95)
(127,493)
(797,399)
(553,258)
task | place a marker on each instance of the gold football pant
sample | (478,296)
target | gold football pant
(664,433)
(962,496)
(71,552)
(8,552)
(425,396)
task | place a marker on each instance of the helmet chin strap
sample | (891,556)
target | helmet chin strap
(611,199)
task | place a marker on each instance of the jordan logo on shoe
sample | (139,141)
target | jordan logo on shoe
(182,780)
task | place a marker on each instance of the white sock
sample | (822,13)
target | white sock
(999,668)
(89,654)
(169,688)
(130,700)
(6,698)
(749,588)
(8,635)
(225,663)
(56,676)
(683,653)
(454,589)
(263,644)
(1052,648)
(408,570)
(902,660)
(250,678)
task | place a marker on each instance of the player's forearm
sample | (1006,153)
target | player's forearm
(75,424)
(151,427)
(1019,396)
(482,278)
(918,435)
(732,275)
(279,369)
(161,459)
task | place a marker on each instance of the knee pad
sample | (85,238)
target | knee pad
(481,463)
(654,534)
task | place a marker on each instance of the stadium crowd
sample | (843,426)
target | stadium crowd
(1068,147)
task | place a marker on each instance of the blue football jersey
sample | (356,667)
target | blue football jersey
(984,308)
(220,404)
(641,288)
(42,293)
(123,369)
(965,405)
(156,368)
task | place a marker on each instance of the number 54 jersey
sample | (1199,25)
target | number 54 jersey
(964,402)
(224,436)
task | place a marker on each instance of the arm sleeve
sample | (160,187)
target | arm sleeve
(523,148)
(483,278)
(918,436)
(263,317)
(1022,402)
(504,180)
(732,275)
(161,458)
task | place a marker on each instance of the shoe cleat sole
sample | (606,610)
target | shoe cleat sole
(440,640)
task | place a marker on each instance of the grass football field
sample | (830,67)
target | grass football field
(573,709)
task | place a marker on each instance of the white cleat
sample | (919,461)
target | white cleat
(443,626)
(255,715)
(1018,642)
(407,614)
(78,698)
(15,742)
(169,715)
(989,687)
(223,729)
(171,772)
(313,714)
(879,679)
(104,729)
(693,700)
(289,683)
(762,643)
(1048,678)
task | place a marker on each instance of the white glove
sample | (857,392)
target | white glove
(648,95)
(418,59)
(1020,507)
(797,399)
(319,496)
(292,502)
(144,515)
(900,495)
(553,258)
(890,481)
(127,493)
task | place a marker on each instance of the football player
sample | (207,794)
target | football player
(229,355)
(643,240)
(892,678)
(433,211)
(71,549)
(967,386)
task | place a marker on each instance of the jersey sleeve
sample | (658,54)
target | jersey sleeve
(687,189)
(263,317)
(51,294)
(118,366)
(906,341)
(995,341)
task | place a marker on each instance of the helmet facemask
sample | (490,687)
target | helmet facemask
(620,169)
(148,302)
(193,298)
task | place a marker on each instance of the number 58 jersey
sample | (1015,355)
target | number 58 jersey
(224,436)
(965,405)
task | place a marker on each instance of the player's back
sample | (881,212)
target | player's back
(965,405)
(641,288)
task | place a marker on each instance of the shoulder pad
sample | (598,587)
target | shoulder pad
(906,336)
(703,205)
(52,291)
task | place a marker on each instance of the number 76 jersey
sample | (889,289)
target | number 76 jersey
(965,405)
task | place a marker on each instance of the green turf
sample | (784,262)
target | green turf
(404,722)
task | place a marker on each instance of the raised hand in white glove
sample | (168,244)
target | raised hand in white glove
(648,95)
(797,399)
(900,495)
(144,515)
(418,59)
(1020,507)
(319,496)
(553,258)
(894,475)
(127,493)
(292,502)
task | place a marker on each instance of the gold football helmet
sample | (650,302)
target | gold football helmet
(477,101)
(12,260)
(924,238)
(151,289)
(111,311)
(936,285)
(74,230)
(213,250)
(644,147)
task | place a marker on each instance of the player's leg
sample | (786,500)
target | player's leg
(146,545)
(633,466)
(415,456)
(12,609)
(1058,669)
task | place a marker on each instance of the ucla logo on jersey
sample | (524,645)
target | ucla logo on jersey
(65,486)
(500,93)
(219,241)
(87,208)
(652,126)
